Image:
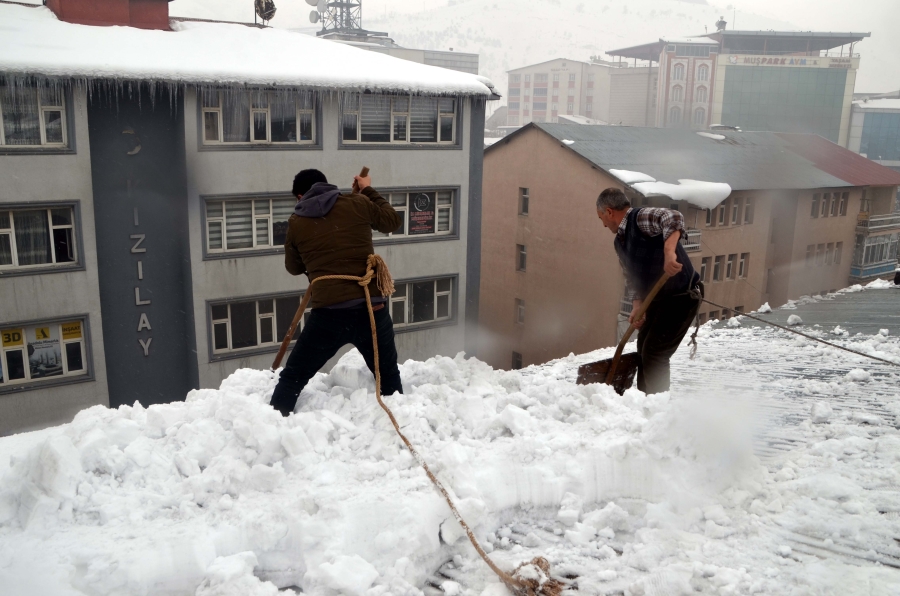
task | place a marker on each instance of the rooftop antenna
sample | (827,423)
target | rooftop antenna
(265,10)
(343,16)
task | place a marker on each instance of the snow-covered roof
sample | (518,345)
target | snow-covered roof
(698,40)
(880,104)
(34,42)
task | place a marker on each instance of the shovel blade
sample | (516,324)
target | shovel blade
(596,372)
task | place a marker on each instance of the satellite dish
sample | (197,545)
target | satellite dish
(312,2)
(313,17)
(322,5)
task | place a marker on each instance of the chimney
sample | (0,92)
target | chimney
(144,14)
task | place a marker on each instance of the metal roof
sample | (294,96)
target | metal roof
(839,162)
(744,160)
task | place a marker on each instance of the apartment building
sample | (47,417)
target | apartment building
(609,92)
(145,200)
(786,81)
(551,281)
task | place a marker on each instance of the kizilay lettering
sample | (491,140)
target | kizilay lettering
(143,320)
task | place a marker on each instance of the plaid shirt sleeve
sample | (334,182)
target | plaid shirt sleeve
(655,221)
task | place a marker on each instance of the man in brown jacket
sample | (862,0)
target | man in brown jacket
(331,234)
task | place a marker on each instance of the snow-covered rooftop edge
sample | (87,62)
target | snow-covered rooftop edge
(35,43)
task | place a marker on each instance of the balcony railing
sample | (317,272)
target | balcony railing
(878,222)
(800,53)
(873,269)
(692,242)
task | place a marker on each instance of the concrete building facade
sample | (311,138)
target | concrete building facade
(609,92)
(141,225)
(552,283)
(779,81)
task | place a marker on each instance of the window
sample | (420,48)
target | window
(555,94)
(247,224)
(257,117)
(515,78)
(722,210)
(523,201)
(738,310)
(369,118)
(554,107)
(542,92)
(515,92)
(713,315)
(834,204)
(829,252)
(32,117)
(736,211)
(513,105)
(748,210)
(699,117)
(424,301)
(540,106)
(516,361)
(838,249)
(842,209)
(675,115)
(702,318)
(520,311)
(528,78)
(704,268)
(678,93)
(820,254)
(41,351)
(423,213)
(570,108)
(520,257)
(252,324)
(824,211)
(702,94)
(571,78)
(540,78)
(717,269)
(810,254)
(709,217)
(744,264)
(589,107)
(37,237)
(691,50)
(556,77)
(703,75)
(729,267)
(591,77)
(678,72)
(815,206)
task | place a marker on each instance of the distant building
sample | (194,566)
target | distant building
(783,81)
(605,91)
(144,203)
(805,216)
(875,130)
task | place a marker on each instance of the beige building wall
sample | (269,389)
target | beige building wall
(632,96)
(572,285)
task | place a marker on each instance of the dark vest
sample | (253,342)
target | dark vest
(644,257)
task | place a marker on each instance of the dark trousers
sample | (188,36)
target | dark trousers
(668,320)
(324,334)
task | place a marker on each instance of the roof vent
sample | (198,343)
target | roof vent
(144,14)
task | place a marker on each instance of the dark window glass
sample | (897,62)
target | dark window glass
(283,113)
(285,309)
(21,116)
(74,359)
(53,126)
(260,127)
(443,306)
(243,325)
(32,237)
(5,250)
(265,307)
(265,330)
(15,364)
(349,127)
(219,311)
(64,245)
(211,126)
(220,331)
(423,301)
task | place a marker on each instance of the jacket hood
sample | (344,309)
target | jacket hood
(318,200)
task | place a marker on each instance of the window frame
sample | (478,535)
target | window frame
(405,238)
(26,384)
(718,261)
(451,320)
(705,266)
(215,355)
(517,362)
(731,266)
(842,208)
(254,145)
(520,312)
(216,254)
(44,268)
(814,211)
(748,210)
(521,258)
(838,249)
(457,130)
(524,200)
(66,110)
(743,265)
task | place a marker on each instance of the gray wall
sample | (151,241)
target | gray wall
(266,171)
(42,178)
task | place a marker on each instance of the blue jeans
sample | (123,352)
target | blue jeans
(327,331)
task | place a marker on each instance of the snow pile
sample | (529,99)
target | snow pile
(629,177)
(765,308)
(711,135)
(221,53)
(794,320)
(568,142)
(705,195)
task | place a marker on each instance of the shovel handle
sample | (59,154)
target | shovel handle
(290,333)
(637,317)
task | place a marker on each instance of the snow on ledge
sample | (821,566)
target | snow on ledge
(711,135)
(705,195)
(629,177)
(35,42)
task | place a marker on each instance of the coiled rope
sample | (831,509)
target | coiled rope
(528,579)
(695,293)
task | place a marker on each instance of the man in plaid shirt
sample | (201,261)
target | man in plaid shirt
(648,243)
